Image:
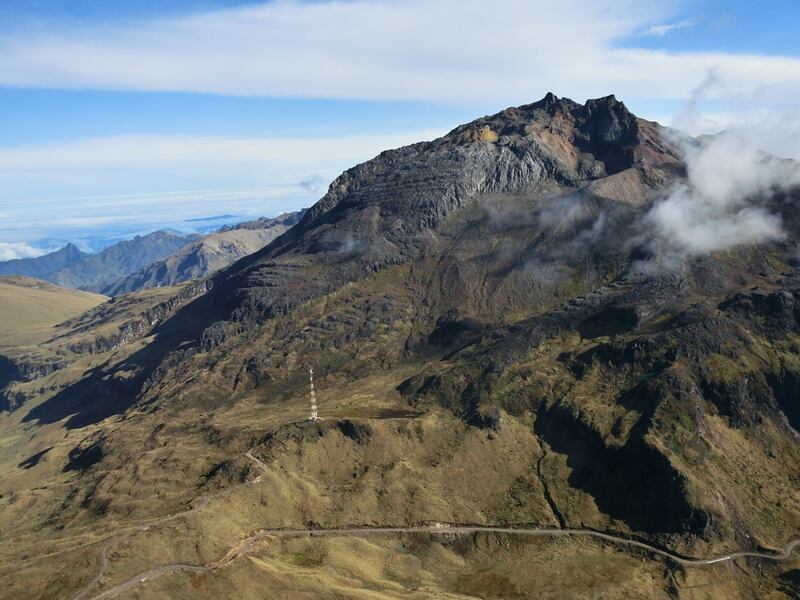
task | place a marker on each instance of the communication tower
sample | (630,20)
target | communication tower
(314,416)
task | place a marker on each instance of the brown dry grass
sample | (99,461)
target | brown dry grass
(31,308)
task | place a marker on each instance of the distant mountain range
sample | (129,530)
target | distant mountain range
(206,255)
(72,268)
(161,258)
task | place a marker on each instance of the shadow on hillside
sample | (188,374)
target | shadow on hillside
(633,483)
(100,394)
(8,373)
(105,391)
(34,459)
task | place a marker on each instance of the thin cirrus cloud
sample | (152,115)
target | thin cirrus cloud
(665,28)
(440,50)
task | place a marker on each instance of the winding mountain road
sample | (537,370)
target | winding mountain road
(157,572)
(436,529)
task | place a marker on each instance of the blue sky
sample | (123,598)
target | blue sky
(120,117)
(737,26)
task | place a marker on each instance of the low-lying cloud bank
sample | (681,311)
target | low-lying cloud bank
(14,250)
(722,205)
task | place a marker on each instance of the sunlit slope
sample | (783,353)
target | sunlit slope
(30,308)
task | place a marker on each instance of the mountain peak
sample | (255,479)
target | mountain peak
(386,211)
(72,250)
(554,121)
(549,99)
(610,100)
(574,142)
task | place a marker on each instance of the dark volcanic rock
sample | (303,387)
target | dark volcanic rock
(382,212)
(785,387)
(454,331)
(609,321)
(358,432)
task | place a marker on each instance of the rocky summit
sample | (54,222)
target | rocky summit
(502,334)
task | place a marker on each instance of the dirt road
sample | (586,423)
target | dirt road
(247,544)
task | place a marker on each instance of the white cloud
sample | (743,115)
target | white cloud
(770,126)
(12,250)
(441,50)
(690,226)
(722,204)
(664,28)
(775,130)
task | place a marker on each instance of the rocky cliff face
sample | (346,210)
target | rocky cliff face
(396,207)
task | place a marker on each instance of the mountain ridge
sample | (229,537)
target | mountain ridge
(464,165)
(206,255)
(45,266)
(69,267)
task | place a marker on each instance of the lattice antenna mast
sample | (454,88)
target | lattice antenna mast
(314,416)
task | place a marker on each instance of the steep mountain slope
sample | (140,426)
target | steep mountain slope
(393,208)
(500,334)
(207,255)
(43,267)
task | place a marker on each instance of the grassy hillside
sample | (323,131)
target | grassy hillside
(30,308)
